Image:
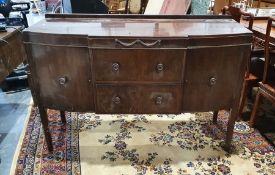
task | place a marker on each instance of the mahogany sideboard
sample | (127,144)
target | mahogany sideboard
(137,64)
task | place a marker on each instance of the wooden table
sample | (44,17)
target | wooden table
(259,29)
(12,51)
(261,16)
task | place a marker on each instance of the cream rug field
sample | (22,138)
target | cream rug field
(167,144)
(92,144)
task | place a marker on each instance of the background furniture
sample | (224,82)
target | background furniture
(252,77)
(267,85)
(111,64)
(7,6)
(259,29)
(12,51)
(261,13)
(264,3)
(130,6)
(219,4)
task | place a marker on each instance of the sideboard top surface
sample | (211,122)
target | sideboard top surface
(130,27)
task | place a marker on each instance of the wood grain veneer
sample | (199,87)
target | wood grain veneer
(133,64)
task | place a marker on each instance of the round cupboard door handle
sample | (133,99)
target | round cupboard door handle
(160,67)
(212,81)
(116,100)
(159,100)
(63,80)
(115,67)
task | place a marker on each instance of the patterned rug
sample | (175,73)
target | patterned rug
(143,144)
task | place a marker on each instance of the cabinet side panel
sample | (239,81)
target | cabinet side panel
(63,77)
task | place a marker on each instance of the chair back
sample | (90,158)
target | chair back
(237,13)
(267,50)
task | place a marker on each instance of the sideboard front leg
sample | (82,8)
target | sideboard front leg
(63,117)
(230,127)
(45,125)
(215,117)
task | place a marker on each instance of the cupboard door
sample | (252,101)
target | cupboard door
(63,77)
(213,77)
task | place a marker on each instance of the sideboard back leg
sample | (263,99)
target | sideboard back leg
(45,125)
(230,127)
(63,117)
(215,117)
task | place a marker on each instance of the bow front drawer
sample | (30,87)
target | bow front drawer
(118,98)
(165,65)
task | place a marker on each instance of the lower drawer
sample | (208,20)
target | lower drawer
(138,99)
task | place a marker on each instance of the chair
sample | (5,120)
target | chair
(250,79)
(237,13)
(267,85)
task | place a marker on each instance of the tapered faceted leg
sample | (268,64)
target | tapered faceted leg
(215,117)
(45,125)
(63,117)
(230,128)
